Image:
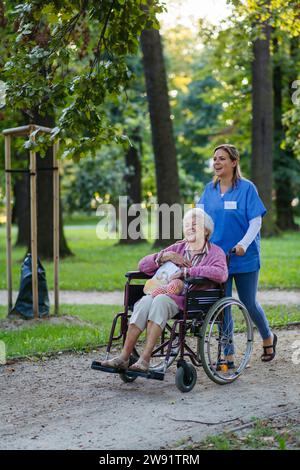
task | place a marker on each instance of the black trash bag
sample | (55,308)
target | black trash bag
(24,302)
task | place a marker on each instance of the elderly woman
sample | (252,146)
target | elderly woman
(195,256)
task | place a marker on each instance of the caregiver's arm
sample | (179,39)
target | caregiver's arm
(253,229)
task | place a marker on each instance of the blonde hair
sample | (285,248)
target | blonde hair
(234,156)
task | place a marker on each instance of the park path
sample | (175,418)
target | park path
(61,403)
(265,297)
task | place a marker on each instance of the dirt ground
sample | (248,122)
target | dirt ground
(60,403)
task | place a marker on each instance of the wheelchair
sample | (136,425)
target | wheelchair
(209,326)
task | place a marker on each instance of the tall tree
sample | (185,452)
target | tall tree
(43,79)
(284,159)
(133,188)
(167,180)
(262,123)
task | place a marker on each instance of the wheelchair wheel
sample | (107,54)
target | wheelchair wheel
(186,377)
(227,330)
(125,377)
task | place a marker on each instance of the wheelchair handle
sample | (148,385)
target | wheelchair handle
(228,256)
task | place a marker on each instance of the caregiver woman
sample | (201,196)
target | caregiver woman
(237,211)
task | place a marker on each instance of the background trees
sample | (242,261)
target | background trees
(174,95)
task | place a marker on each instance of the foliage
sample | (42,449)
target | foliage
(94,180)
(47,38)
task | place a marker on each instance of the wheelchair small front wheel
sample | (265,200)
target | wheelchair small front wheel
(186,377)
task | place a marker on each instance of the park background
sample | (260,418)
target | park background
(140,116)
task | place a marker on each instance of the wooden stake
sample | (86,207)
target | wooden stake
(8,222)
(33,217)
(56,228)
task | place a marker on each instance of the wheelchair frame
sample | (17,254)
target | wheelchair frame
(197,305)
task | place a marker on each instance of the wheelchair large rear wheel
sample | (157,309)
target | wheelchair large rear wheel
(227,330)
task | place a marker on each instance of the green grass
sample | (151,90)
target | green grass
(280,315)
(100,264)
(262,435)
(46,338)
(97,265)
(280,262)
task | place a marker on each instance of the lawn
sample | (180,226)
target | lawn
(262,435)
(100,264)
(45,338)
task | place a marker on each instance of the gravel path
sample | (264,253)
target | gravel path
(265,297)
(61,403)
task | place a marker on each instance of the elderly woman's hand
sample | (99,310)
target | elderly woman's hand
(176,258)
(177,275)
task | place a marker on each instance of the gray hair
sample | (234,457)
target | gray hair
(201,214)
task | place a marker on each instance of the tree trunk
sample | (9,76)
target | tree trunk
(262,125)
(167,180)
(21,209)
(133,182)
(283,162)
(45,203)
(44,206)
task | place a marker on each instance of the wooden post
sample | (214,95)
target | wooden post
(33,218)
(56,227)
(8,221)
(24,131)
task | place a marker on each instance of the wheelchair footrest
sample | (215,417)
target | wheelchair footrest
(151,374)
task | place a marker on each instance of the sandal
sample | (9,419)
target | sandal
(267,357)
(116,363)
(140,366)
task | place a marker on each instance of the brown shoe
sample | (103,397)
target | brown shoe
(140,366)
(115,362)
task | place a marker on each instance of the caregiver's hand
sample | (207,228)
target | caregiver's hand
(176,258)
(239,250)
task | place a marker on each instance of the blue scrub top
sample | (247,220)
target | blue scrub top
(231,214)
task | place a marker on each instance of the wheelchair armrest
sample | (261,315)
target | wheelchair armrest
(137,275)
(197,280)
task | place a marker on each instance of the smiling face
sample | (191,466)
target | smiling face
(223,165)
(193,229)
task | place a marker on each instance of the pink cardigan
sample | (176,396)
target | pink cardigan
(213,266)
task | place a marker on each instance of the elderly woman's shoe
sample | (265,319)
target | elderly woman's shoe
(140,366)
(116,363)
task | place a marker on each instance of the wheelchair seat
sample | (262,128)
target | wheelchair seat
(199,302)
